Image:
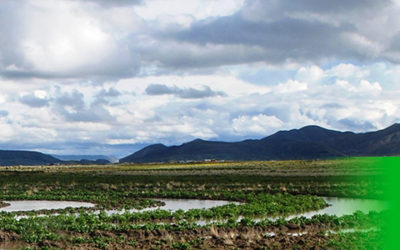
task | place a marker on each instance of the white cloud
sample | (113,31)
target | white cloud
(346,70)
(364,88)
(6,132)
(68,39)
(222,82)
(121,111)
(2,99)
(370,88)
(64,39)
(74,74)
(42,94)
(260,124)
(290,87)
(310,74)
(198,9)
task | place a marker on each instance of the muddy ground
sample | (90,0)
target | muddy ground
(295,237)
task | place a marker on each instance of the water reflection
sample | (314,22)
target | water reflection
(346,206)
(176,204)
(16,206)
(338,206)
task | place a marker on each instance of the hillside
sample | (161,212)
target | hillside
(14,157)
(310,142)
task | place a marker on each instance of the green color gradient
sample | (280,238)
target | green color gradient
(391,178)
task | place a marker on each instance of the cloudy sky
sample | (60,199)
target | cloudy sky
(108,77)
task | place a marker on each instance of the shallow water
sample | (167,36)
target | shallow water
(186,204)
(338,206)
(177,204)
(16,206)
(346,206)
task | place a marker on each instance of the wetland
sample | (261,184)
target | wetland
(272,205)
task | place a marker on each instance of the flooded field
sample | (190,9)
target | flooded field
(336,206)
(273,205)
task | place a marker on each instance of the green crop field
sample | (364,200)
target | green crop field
(263,195)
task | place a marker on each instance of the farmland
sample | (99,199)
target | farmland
(261,194)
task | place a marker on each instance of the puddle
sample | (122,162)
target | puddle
(16,206)
(346,206)
(186,204)
(176,204)
(338,207)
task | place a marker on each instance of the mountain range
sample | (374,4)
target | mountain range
(86,158)
(32,158)
(310,142)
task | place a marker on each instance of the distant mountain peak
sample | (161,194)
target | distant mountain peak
(311,127)
(197,140)
(157,145)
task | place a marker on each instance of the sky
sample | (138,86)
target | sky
(109,77)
